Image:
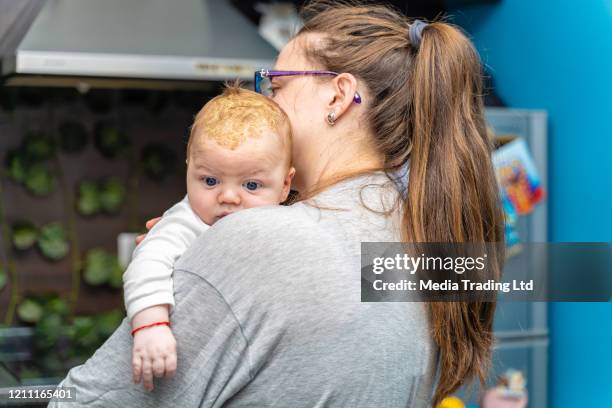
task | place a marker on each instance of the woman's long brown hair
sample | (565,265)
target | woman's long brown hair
(425,108)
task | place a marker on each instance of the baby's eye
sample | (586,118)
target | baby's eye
(251,185)
(211,181)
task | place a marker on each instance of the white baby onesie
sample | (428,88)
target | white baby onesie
(148,279)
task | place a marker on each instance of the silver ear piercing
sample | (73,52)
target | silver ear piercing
(331,118)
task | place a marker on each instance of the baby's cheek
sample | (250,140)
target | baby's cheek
(249,201)
(201,204)
(270,197)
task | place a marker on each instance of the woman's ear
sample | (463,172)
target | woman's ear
(344,88)
(287,184)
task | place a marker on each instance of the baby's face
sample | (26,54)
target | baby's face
(221,181)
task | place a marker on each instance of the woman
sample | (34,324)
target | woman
(268,309)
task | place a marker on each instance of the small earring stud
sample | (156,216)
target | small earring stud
(331,118)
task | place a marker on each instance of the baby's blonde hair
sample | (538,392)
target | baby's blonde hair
(237,114)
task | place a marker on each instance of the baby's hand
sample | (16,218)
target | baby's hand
(154,354)
(150,224)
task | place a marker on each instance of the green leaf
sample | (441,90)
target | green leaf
(3,277)
(52,241)
(102,267)
(72,136)
(98,267)
(158,161)
(83,324)
(88,202)
(49,328)
(39,180)
(116,277)
(110,141)
(57,306)
(38,147)
(25,235)
(17,165)
(84,333)
(50,322)
(29,311)
(112,195)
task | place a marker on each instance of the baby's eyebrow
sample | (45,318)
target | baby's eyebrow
(203,167)
(256,172)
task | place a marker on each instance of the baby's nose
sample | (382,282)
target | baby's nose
(229,196)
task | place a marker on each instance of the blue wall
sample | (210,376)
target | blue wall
(557,55)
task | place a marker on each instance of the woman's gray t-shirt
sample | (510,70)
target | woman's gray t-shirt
(269,314)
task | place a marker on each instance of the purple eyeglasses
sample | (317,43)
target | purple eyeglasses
(263,80)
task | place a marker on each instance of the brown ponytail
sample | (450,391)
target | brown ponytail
(425,107)
(452,190)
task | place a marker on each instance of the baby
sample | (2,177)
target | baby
(238,156)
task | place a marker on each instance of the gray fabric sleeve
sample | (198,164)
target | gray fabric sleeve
(212,358)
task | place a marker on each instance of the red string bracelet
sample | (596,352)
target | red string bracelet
(146,326)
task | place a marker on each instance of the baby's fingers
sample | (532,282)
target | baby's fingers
(151,223)
(170,364)
(147,374)
(158,366)
(136,368)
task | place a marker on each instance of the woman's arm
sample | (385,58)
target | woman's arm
(214,357)
(212,366)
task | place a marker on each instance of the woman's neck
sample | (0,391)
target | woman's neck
(337,164)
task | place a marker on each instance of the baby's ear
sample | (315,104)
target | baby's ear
(287,182)
(291,173)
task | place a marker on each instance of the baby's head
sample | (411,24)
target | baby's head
(238,155)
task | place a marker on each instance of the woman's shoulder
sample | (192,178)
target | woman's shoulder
(254,246)
(266,220)
(268,232)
